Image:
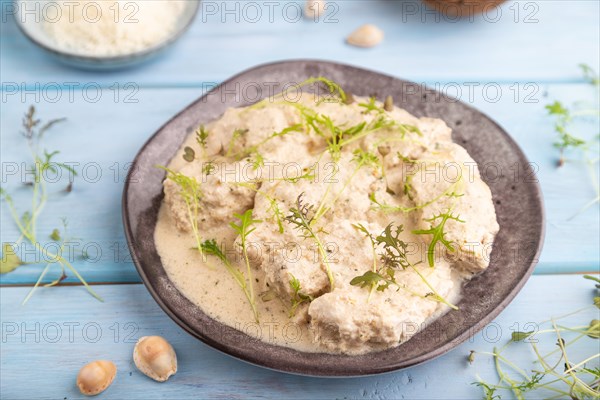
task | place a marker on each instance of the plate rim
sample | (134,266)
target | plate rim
(438,351)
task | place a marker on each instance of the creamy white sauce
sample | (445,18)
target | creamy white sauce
(209,286)
(361,322)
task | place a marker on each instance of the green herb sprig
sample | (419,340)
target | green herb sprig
(393,257)
(301,217)
(567,141)
(298,297)
(554,372)
(43,161)
(210,247)
(362,158)
(451,191)
(244,227)
(190,191)
(438,234)
(274,207)
(201,136)
(254,150)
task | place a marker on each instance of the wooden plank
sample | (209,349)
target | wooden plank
(419,44)
(105,136)
(45,343)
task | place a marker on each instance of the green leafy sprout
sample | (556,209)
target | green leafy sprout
(393,257)
(201,136)
(438,234)
(362,158)
(210,247)
(450,191)
(43,161)
(274,207)
(298,297)
(568,141)
(301,217)
(191,192)
(244,227)
(554,372)
(254,150)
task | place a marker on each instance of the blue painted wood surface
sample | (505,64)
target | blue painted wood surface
(40,356)
(105,136)
(546,41)
(508,65)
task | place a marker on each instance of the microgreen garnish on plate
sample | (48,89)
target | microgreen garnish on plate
(301,216)
(274,207)
(189,154)
(257,160)
(244,228)
(438,234)
(362,158)
(451,191)
(201,136)
(333,88)
(335,92)
(235,136)
(208,167)
(210,247)
(379,278)
(191,192)
(254,149)
(42,162)
(298,297)
(276,211)
(371,106)
(393,257)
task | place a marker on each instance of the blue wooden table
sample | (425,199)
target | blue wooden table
(509,63)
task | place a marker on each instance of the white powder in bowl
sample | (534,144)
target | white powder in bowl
(113,27)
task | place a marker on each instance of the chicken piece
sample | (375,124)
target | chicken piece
(217,205)
(295,253)
(348,321)
(448,182)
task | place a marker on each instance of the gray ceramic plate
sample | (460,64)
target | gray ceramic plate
(518,206)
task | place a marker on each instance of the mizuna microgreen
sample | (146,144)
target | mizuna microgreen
(301,217)
(393,257)
(438,234)
(235,136)
(371,106)
(336,93)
